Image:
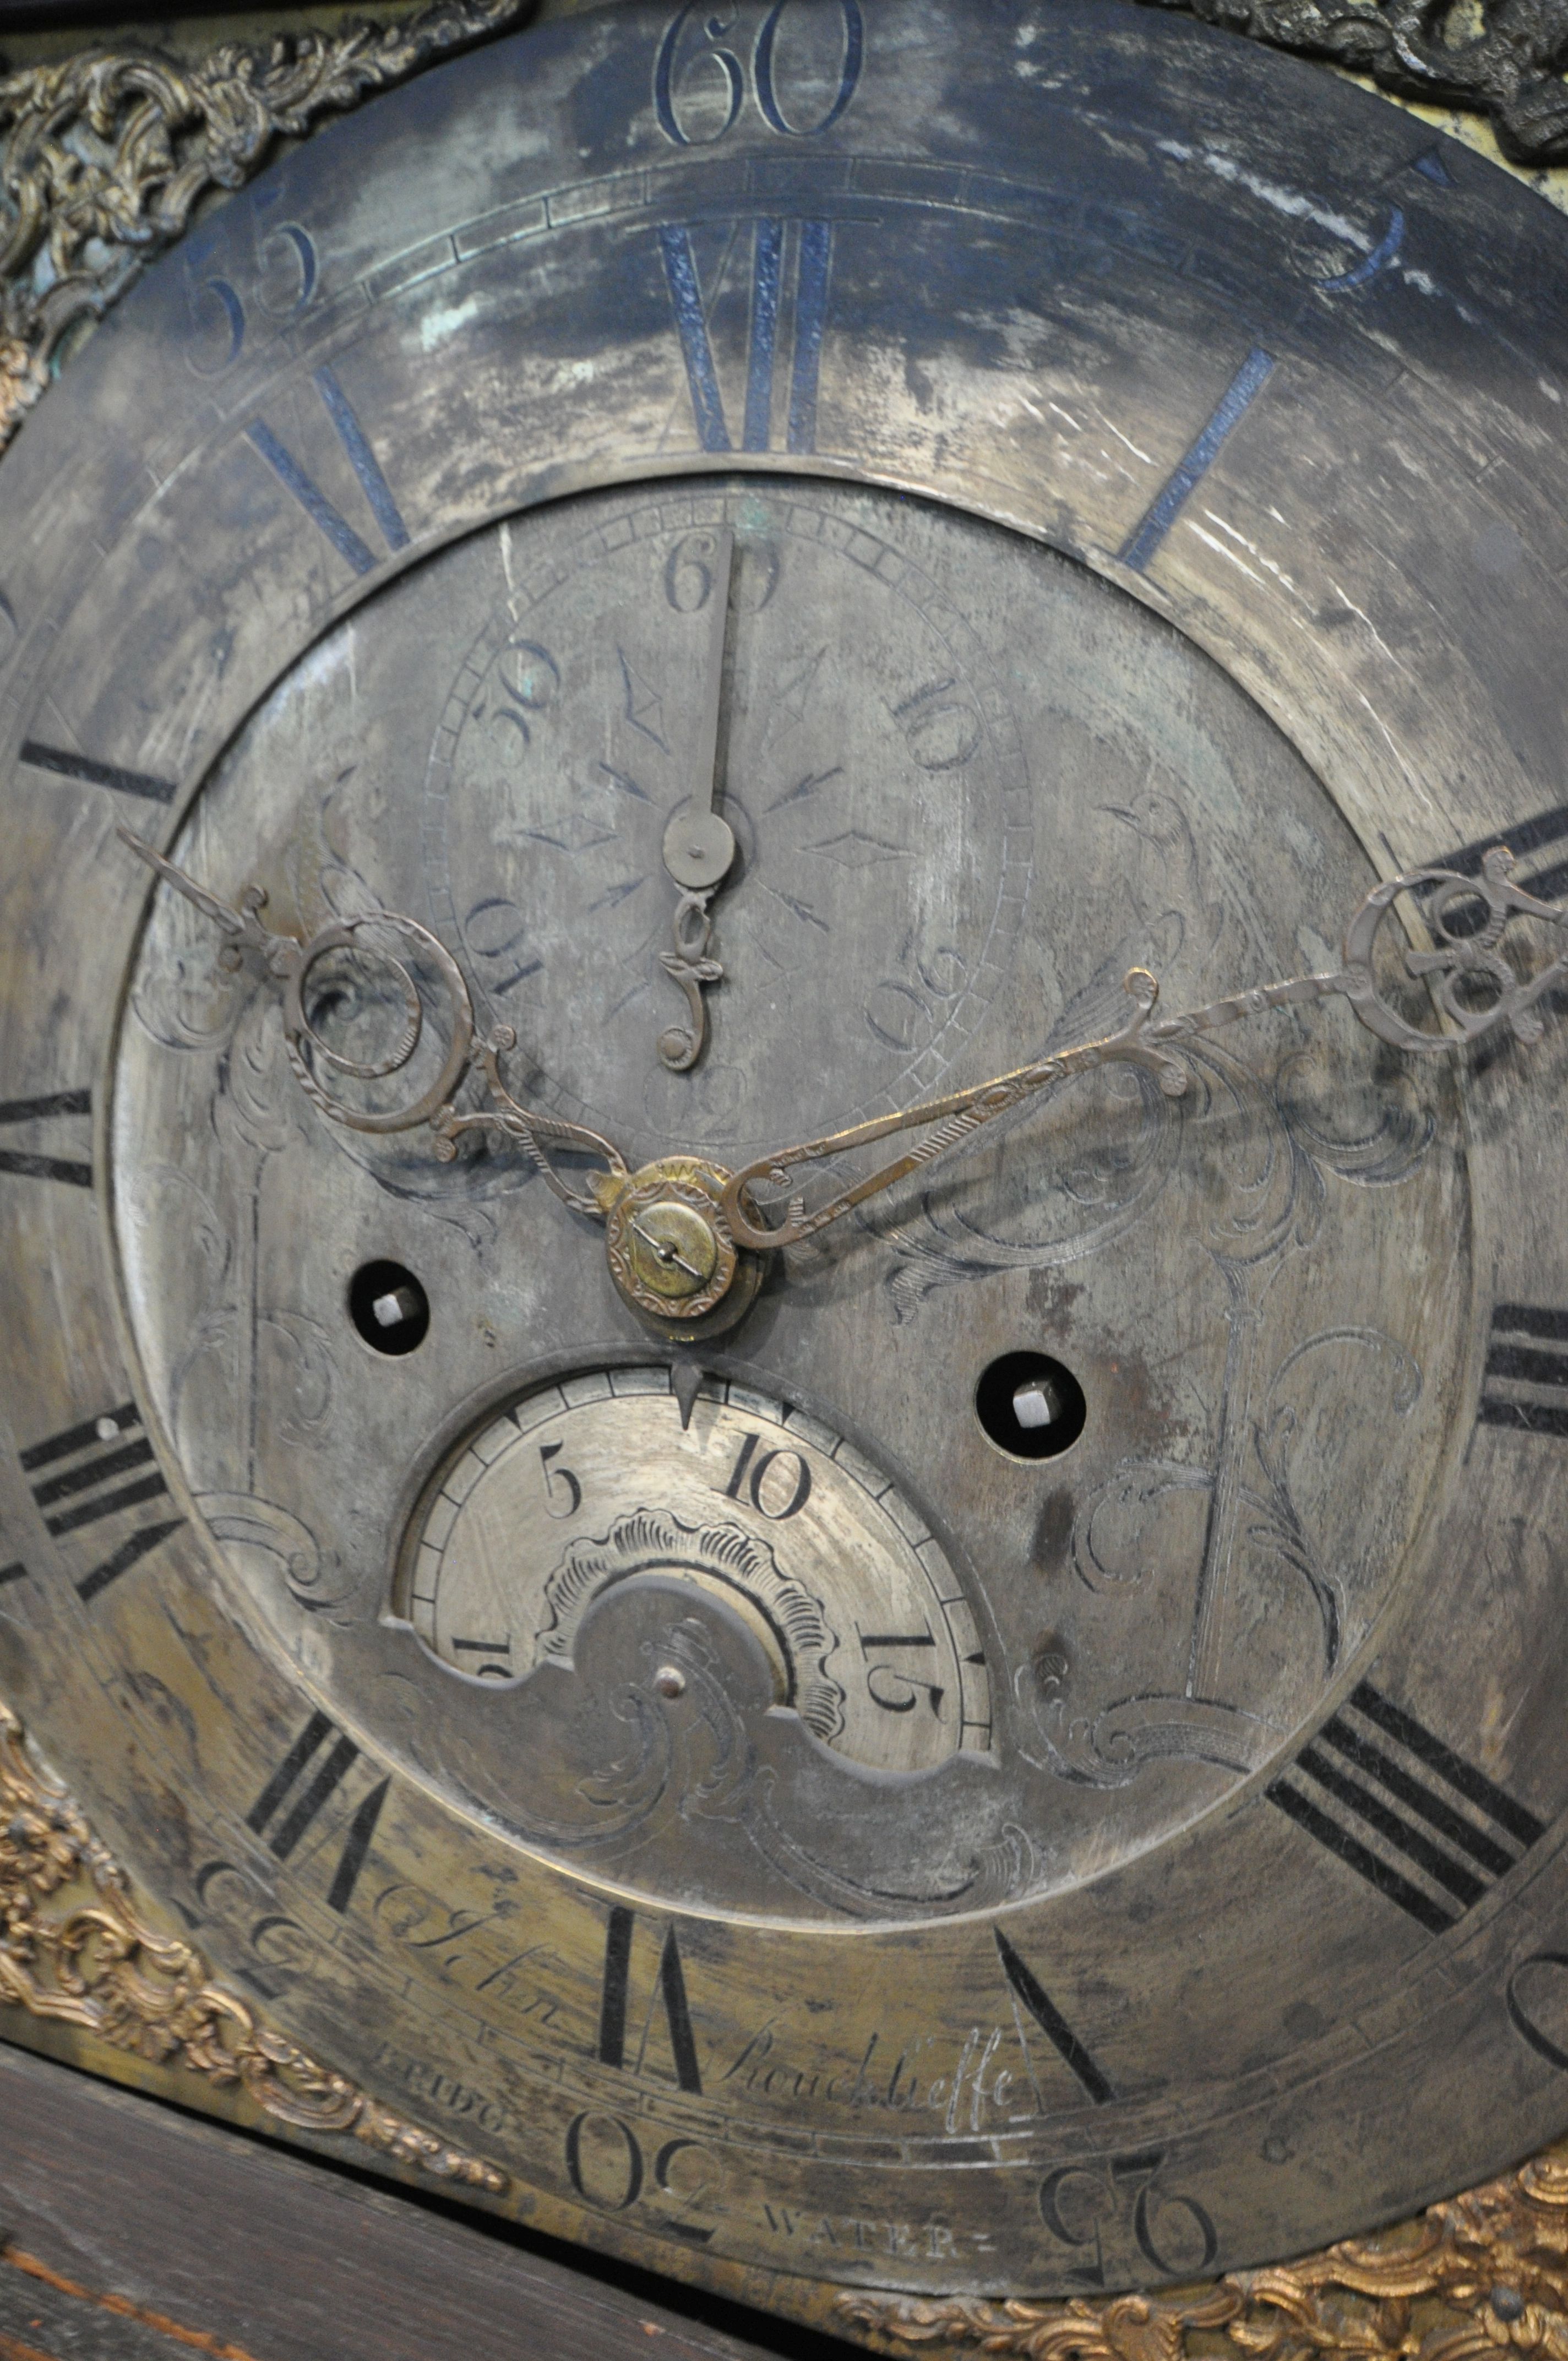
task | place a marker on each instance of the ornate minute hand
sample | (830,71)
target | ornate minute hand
(1464,958)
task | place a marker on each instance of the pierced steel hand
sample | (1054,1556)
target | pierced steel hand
(699,845)
(290,963)
(1465,962)
(686,1238)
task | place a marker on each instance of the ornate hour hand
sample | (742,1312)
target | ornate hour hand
(699,845)
(290,963)
(1476,987)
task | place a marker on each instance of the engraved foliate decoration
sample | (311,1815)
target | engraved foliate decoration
(75,1950)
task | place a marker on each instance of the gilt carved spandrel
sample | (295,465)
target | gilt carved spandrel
(75,1950)
(105,155)
(1480,2274)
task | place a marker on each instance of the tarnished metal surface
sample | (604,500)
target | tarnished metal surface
(1004,340)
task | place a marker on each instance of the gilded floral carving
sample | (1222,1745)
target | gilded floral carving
(1474,2277)
(73,1949)
(105,155)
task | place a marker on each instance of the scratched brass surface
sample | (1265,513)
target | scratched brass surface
(1259,547)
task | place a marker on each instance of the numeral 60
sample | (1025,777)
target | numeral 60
(710,71)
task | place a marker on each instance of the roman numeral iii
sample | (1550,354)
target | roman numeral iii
(1526,1370)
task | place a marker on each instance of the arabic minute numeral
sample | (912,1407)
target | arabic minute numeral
(901,1690)
(563,1492)
(700,83)
(776,1495)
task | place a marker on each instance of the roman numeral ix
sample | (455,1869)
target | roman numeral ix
(772,243)
(364,464)
(33,1163)
(1526,1370)
(102,1469)
(290,1817)
(1383,1795)
(65,764)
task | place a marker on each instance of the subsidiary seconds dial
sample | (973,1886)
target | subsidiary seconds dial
(868,763)
(598,1484)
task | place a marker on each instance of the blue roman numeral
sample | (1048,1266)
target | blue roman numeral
(366,465)
(773,244)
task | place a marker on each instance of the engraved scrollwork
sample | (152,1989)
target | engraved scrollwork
(105,155)
(1476,2276)
(74,1949)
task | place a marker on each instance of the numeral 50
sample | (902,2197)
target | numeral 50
(696,77)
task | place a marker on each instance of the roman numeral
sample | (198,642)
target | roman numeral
(1546,833)
(670,1991)
(1242,390)
(29,1164)
(1032,1995)
(366,465)
(101,1453)
(773,244)
(292,1820)
(67,765)
(1383,1795)
(1521,1356)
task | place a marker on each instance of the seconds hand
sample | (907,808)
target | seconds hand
(699,846)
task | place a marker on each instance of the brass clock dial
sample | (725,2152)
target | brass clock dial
(780,1327)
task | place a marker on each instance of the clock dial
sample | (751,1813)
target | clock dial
(599,1483)
(1013,1744)
(1265,1409)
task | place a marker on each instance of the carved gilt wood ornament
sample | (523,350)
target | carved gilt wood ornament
(104,157)
(932,1725)
(75,1951)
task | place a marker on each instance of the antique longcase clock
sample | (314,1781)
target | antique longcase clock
(782,1334)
